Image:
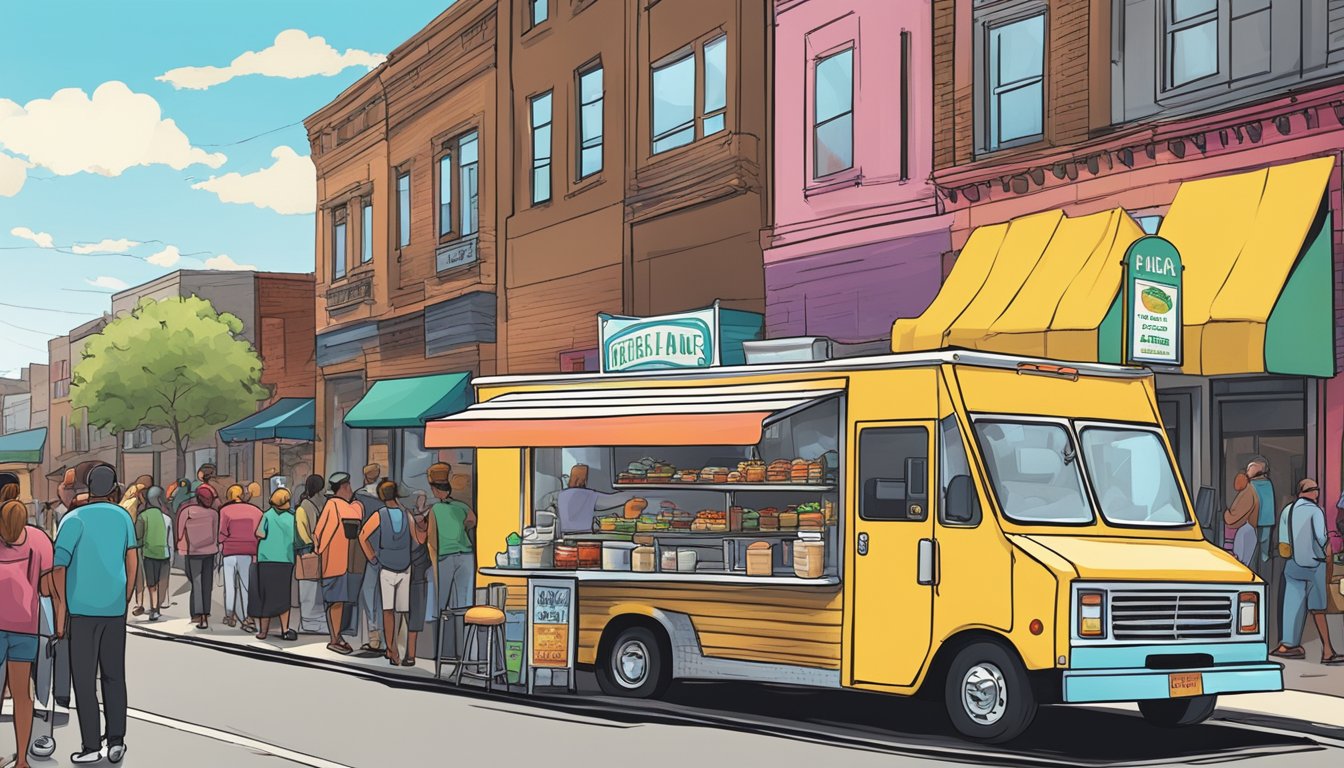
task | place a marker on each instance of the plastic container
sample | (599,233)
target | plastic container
(686,560)
(566,557)
(669,563)
(534,554)
(809,556)
(590,554)
(643,560)
(515,549)
(760,559)
(616,555)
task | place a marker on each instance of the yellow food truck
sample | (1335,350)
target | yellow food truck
(1002,532)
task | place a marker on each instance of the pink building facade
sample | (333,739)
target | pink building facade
(859,233)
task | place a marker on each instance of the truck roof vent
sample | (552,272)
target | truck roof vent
(801,349)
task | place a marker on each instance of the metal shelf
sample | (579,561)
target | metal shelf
(726,487)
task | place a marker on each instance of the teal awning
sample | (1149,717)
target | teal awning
(23,447)
(289,418)
(407,403)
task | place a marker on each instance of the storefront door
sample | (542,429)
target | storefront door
(894,552)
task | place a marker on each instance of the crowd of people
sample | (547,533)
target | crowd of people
(338,554)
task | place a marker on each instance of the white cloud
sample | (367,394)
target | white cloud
(13,173)
(289,185)
(105,246)
(107,133)
(293,55)
(224,262)
(40,239)
(169,256)
(110,283)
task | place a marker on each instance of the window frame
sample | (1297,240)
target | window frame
(930,453)
(594,66)
(532,101)
(340,241)
(852,48)
(1169,27)
(991,482)
(403,207)
(366,230)
(463,199)
(695,51)
(985,20)
(444,224)
(530,21)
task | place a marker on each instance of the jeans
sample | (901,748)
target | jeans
(237,581)
(455,587)
(201,572)
(1303,591)
(312,611)
(98,651)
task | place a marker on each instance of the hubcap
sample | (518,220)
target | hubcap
(631,663)
(984,694)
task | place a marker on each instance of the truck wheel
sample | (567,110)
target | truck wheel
(1175,713)
(635,665)
(988,694)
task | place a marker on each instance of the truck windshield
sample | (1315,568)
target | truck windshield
(1132,476)
(1034,470)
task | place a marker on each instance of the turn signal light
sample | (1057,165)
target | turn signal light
(1248,613)
(1091,614)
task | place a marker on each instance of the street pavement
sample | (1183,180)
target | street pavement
(223,699)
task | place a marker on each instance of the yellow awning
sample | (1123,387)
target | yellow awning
(1240,237)
(1040,285)
(1048,285)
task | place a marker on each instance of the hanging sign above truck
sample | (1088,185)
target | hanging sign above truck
(685,340)
(1153,302)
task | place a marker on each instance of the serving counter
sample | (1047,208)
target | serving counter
(707,577)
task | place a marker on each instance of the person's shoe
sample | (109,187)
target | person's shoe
(84,758)
(344,650)
(408,662)
(154,615)
(43,746)
(139,610)
(290,635)
(116,752)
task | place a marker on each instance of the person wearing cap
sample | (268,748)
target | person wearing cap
(336,533)
(198,541)
(1303,529)
(275,566)
(92,578)
(450,524)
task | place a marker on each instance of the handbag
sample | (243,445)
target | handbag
(1286,547)
(307,567)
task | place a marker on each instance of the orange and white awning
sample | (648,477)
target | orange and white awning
(620,417)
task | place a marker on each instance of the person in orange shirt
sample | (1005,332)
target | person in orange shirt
(337,531)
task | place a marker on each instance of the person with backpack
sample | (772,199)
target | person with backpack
(26,556)
(388,539)
(1303,543)
(154,536)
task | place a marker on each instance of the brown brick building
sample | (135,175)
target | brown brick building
(622,206)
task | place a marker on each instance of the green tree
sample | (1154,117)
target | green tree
(173,364)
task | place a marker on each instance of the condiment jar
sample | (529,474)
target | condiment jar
(642,560)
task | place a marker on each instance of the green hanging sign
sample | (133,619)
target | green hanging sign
(1153,302)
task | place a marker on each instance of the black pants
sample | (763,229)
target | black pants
(98,651)
(201,572)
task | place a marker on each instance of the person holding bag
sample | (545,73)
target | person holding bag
(307,566)
(1240,521)
(1302,542)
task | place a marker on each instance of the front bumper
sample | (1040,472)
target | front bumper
(1117,674)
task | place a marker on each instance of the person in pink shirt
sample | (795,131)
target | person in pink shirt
(198,541)
(238,521)
(25,558)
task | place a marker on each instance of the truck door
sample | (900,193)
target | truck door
(895,559)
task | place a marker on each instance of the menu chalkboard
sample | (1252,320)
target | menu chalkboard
(551,623)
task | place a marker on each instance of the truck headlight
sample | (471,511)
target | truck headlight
(1248,613)
(1091,614)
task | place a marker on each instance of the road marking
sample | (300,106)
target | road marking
(233,738)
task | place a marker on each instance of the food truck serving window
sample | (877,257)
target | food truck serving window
(1033,467)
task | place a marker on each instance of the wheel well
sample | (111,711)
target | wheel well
(934,680)
(625,621)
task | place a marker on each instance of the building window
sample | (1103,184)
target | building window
(541,148)
(1192,40)
(715,86)
(366,231)
(338,253)
(833,114)
(676,92)
(468,163)
(404,209)
(446,194)
(539,11)
(1013,67)
(590,121)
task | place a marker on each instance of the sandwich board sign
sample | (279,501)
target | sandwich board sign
(1153,302)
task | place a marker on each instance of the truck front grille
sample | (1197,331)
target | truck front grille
(1155,616)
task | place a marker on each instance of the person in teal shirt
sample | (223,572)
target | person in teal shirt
(276,536)
(93,571)
(1257,471)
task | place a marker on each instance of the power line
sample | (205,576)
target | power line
(250,138)
(30,330)
(48,309)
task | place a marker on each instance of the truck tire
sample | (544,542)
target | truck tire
(1177,713)
(988,695)
(635,664)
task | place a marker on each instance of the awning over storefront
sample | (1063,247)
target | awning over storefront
(289,418)
(409,403)
(619,417)
(23,447)
(1257,282)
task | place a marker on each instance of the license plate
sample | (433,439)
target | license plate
(1182,684)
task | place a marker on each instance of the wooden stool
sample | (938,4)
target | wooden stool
(492,619)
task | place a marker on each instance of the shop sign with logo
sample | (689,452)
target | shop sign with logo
(1153,308)
(686,340)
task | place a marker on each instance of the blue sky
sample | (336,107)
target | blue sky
(132,178)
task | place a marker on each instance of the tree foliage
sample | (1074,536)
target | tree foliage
(173,364)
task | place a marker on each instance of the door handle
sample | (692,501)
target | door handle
(928,562)
(863,544)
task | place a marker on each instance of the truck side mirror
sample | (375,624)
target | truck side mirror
(963,505)
(1205,503)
